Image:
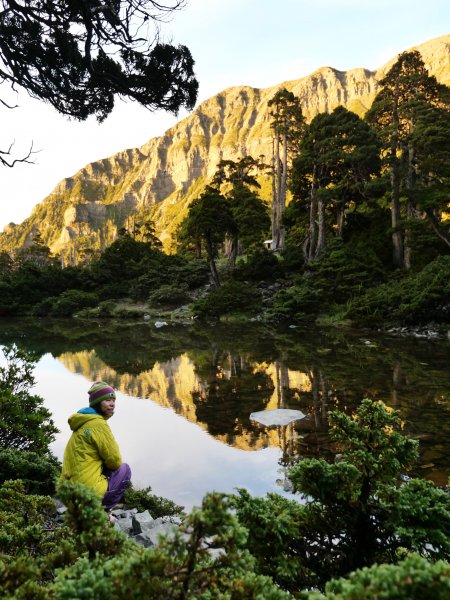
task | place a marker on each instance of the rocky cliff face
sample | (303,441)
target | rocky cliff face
(164,175)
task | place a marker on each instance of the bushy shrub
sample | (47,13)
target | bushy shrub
(231,297)
(66,304)
(417,298)
(88,558)
(70,301)
(301,302)
(413,578)
(25,423)
(31,284)
(38,472)
(171,295)
(357,511)
(26,427)
(345,270)
(194,273)
(156,505)
(342,272)
(8,304)
(44,308)
(259,266)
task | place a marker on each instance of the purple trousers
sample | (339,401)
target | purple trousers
(118,481)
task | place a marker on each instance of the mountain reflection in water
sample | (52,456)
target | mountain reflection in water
(184,425)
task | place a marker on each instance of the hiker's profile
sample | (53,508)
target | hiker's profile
(92,456)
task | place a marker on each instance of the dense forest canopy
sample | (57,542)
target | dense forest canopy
(365,238)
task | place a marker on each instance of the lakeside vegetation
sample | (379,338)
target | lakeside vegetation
(361,527)
(364,240)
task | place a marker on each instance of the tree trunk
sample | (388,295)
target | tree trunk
(321,239)
(340,219)
(211,262)
(410,213)
(398,258)
(410,185)
(276,234)
(442,233)
(312,235)
(274,199)
(198,248)
(233,252)
(283,190)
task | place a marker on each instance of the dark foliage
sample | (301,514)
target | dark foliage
(357,511)
(232,296)
(156,505)
(419,298)
(259,266)
(79,55)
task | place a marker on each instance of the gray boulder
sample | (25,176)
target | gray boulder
(142,522)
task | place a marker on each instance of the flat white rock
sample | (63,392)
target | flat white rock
(277,416)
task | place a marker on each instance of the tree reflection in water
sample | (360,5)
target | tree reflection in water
(217,376)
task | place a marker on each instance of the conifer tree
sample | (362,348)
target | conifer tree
(248,211)
(288,124)
(339,154)
(79,55)
(209,220)
(407,95)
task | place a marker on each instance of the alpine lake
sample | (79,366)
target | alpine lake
(185,395)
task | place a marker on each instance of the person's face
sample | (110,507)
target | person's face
(107,407)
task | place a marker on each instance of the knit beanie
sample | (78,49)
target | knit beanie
(100,391)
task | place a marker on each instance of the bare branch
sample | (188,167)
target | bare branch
(13,161)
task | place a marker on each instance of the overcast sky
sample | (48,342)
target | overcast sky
(234,42)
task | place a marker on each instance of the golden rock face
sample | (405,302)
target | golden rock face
(164,175)
(176,385)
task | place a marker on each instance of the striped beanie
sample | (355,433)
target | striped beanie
(100,391)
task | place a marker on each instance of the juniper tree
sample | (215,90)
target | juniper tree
(208,222)
(407,95)
(288,124)
(357,511)
(338,156)
(248,211)
(80,55)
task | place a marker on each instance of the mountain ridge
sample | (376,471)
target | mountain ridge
(165,174)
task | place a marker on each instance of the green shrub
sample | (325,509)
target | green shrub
(171,295)
(38,472)
(25,423)
(356,511)
(261,266)
(345,270)
(342,272)
(300,302)
(87,558)
(414,578)
(8,304)
(231,297)
(44,308)
(156,505)
(194,273)
(70,301)
(417,298)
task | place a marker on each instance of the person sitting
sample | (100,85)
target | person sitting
(92,456)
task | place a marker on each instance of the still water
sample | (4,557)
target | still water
(185,395)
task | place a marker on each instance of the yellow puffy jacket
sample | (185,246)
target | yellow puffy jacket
(90,450)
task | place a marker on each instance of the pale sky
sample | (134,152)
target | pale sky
(260,43)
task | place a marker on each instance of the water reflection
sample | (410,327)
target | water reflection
(215,377)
